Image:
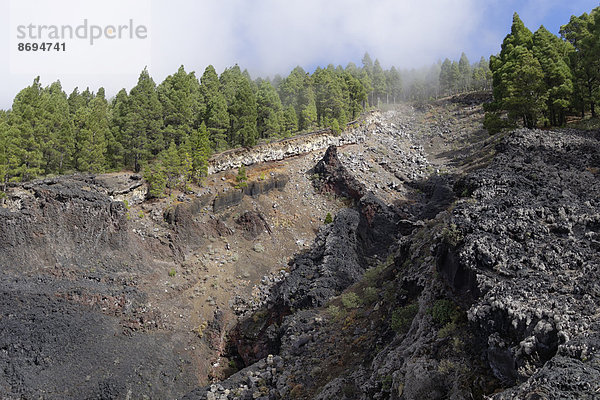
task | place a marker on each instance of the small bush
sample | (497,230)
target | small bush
(241,178)
(386,383)
(370,295)
(494,124)
(328,219)
(444,311)
(172,272)
(447,330)
(351,300)
(402,317)
(452,235)
(372,274)
(335,312)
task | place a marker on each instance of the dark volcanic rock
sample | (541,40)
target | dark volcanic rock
(62,221)
(335,178)
(253,224)
(530,238)
(73,323)
(54,349)
(263,186)
(517,261)
(227,199)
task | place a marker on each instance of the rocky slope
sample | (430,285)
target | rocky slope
(497,297)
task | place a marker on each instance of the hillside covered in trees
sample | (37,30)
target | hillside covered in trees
(169,130)
(540,78)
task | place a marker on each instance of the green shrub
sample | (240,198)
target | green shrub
(452,235)
(335,312)
(444,311)
(172,272)
(155,175)
(241,178)
(402,317)
(494,124)
(351,300)
(386,383)
(447,330)
(372,274)
(370,295)
(335,127)
(328,219)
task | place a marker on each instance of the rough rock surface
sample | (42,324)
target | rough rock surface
(72,325)
(498,296)
(531,239)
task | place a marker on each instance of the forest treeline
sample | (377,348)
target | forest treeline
(169,130)
(540,78)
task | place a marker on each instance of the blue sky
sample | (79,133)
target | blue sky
(273,36)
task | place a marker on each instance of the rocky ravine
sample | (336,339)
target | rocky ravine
(108,295)
(428,283)
(497,297)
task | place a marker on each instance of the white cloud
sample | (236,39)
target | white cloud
(273,36)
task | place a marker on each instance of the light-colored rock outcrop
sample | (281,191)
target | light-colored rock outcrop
(301,144)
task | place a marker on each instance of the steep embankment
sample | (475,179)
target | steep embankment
(74,322)
(497,295)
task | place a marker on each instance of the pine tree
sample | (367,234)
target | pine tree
(367,68)
(481,75)
(91,137)
(201,151)
(269,112)
(78,100)
(464,68)
(519,85)
(290,121)
(216,116)
(367,63)
(182,104)
(445,77)
(155,176)
(394,84)
(230,80)
(551,52)
(115,150)
(142,136)
(583,33)
(379,83)
(55,129)
(243,114)
(329,97)
(357,95)
(293,91)
(4,152)
(171,163)
(24,125)
(307,106)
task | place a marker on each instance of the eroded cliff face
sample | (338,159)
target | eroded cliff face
(74,321)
